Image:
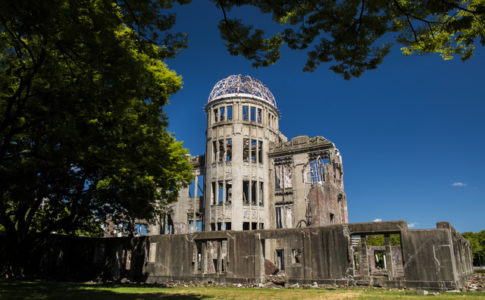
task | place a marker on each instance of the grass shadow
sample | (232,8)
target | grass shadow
(61,290)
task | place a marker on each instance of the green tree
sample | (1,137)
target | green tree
(82,130)
(477,243)
(351,33)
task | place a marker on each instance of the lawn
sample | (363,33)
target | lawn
(61,290)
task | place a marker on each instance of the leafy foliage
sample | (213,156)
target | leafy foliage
(82,130)
(351,33)
(477,243)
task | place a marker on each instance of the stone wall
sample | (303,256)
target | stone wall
(335,254)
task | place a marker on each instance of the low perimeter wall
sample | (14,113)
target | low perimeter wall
(376,254)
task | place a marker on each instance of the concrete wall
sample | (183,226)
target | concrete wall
(431,259)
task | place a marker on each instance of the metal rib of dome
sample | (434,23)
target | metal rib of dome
(238,85)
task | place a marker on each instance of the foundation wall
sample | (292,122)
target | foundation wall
(437,259)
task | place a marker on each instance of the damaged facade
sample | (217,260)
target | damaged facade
(261,205)
(251,177)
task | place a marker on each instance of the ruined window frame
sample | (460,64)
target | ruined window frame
(245,149)
(245,113)
(222,113)
(229,112)
(228,150)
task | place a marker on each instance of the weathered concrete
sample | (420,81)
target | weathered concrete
(436,259)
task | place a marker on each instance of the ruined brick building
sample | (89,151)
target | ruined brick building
(251,177)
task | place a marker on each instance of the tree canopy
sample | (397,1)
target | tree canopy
(82,130)
(356,35)
(477,243)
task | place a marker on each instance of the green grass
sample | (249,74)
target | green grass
(61,290)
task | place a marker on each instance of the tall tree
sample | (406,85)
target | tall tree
(355,35)
(82,130)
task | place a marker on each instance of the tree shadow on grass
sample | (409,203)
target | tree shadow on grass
(61,290)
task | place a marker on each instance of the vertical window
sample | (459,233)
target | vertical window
(213,226)
(219,226)
(222,113)
(254,226)
(253,114)
(269,120)
(246,150)
(245,192)
(216,114)
(261,194)
(221,150)
(332,218)
(258,117)
(229,113)
(228,191)
(228,149)
(228,225)
(253,151)
(280,259)
(278,217)
(200,185)
(220,193)
(245,113)
(214,151)
(214,193)
(260,152)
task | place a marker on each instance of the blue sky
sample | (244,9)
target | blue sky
(411,133)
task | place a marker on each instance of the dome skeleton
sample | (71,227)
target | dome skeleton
(241,85)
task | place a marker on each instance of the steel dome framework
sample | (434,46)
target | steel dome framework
(238,85)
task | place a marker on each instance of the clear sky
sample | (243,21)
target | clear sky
(411,133)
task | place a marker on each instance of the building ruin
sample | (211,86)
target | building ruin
(251,177)
(262,205)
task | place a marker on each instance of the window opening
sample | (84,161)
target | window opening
(332,217)
(219,226)
(254,226)
(280,259)
(229,113)
(258,118)
(261,194)
(278,217)
(228,191)
(221,150)
(296,257)
(228,225)
(245,225)
(380,259)
(260,152)
(246,192)
(228,149)
(245,113)
(246,150)
(213,226)
(253,151)
(253,114)
(200,184)
(192,189)
(220,192)
(261,225)
(317,170)
(216,114)
(222,112)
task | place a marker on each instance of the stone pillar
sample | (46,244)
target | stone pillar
(389,266)
(363,258)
